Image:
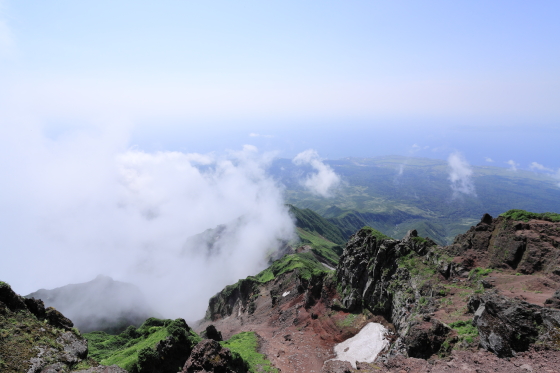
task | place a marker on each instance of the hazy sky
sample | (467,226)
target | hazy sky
(348,78)
(107,110)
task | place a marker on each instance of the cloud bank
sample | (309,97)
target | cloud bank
(460,175)
(324,181)
(82,205)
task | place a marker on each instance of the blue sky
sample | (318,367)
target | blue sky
(352,78)
(103,106)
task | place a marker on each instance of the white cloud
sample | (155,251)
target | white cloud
(540,167)
(460,175)
(83,204)
(488,159)
(513,165)
(325,180)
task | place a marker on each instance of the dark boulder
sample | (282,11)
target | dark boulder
(507,326)
(212,333)
(210,356)
(554,301)
(425,337)
(58,320)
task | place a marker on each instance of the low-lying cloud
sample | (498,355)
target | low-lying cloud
(324,181)
(83,205)
(460,175)
(512,165)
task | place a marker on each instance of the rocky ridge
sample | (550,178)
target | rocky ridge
(493,288)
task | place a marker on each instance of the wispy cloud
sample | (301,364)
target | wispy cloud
(540,167)
(513,166)
(488,159)
(460,175)
(325,180)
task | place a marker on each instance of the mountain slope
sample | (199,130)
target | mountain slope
(435,301)
(100,304)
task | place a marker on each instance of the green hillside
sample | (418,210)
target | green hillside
(395,194)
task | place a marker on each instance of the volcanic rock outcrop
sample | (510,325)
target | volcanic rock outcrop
(35,339)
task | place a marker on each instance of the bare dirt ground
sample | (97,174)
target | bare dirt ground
(294,339)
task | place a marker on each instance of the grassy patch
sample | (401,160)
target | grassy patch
(245,344)
(348,320)
(526,215)
(376,233)
(465,330)
(325,249)
(306,264)
(123,349)
(477,273)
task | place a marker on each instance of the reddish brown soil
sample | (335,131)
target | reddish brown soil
(293,339)
(532,289)
(461,361)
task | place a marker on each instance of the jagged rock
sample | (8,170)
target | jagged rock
(370,276)
(209,356)
(212,333)
(425,337)
(507,326)
(58,320)
(12,301)
(36,307)
(554,301)
(337,366)
(527,247)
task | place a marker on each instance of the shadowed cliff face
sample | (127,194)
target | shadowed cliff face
(100,304)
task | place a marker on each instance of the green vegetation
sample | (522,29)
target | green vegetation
(415,266)
(477,273)
(312,222)
(465,330)
(348,320)
(526,216)
(376,233)
(127,348)
(306,264)
(326,250)
(378,194)
(245,344)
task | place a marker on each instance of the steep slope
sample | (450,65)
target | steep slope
(436,301)
(35,339)
(100,304)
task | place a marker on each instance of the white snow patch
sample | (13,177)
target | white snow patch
(286,293)
(364,346)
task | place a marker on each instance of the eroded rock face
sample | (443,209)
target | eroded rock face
(526,247)
(507,326)
(30,343)
(210,356)
(425,337)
